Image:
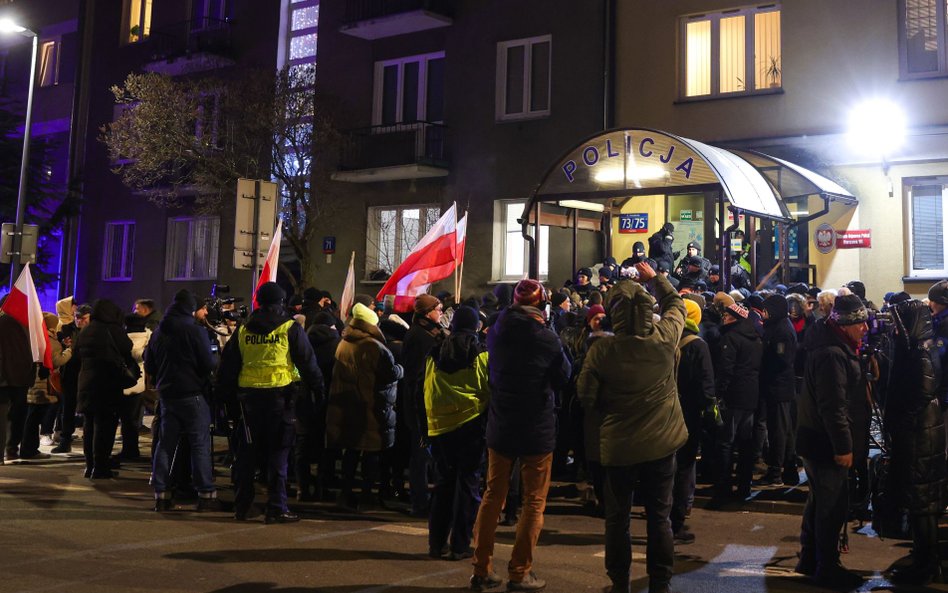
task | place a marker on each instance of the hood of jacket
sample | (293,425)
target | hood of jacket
(821,335)
(106,311)
(504,294)
(266,319)
(64,311)
(630,309)
(913,320)
(458,351)
(176,313)
(359,330)
(322,334)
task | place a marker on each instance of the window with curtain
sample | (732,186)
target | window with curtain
(137,20)
(927,213)
(923,26)
(512,259)
(393,231)
(48,74)
(523,78)
(733,52)
(409,89)
(192,248)
(118,250)
(302,31)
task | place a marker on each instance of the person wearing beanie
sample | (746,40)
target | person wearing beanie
(736,371)
(583,285)
(527,367)
(660,247)
(697,299)
(828,437)
(456,393)
(426,333)
(722,301)
(695,382)
(560,311)
(265,368)
(642,425)
(778,391)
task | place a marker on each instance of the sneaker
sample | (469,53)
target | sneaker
(530,582)
(12,454)
(208,504)
(34,456)
(64,446)
(163,505)
(284,517)
(771,478)
(491,581)
(455,556)
(683,536)
(46,441)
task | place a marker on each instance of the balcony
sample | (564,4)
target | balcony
(392,152)
(192,46)
(377,19)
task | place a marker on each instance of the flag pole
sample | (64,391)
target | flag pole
(459,268)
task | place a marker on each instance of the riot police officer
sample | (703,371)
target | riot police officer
(260,377)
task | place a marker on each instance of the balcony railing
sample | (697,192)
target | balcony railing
(416,143)
(362,10)
(185,38)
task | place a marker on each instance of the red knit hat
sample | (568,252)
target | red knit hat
(593,311)
(529,292)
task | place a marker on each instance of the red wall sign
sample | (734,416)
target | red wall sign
(854,239)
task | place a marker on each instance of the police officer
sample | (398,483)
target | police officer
(938,303)
(259,379)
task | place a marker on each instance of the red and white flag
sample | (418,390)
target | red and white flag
(459,255)
(349,289)
(432,259)
(23,305)
(269,273)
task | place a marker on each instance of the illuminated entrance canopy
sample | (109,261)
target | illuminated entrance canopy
(622,163)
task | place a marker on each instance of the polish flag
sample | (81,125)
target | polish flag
(459,256)
(433,258)
(23,305)
(349,289)
(269,273)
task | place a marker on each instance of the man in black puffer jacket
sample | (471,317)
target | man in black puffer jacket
(833,381)
(777,390)
(736,373)
(527,364)
(179,359)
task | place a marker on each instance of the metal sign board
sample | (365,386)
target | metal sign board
(255,216)
(633,223)
(329,245)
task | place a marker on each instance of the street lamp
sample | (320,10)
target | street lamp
(8,26)
(877,127)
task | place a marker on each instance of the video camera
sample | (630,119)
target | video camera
(221,309)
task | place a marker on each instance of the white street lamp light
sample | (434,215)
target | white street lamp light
(8,26)
(877,127)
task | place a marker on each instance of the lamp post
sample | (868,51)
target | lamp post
(8,26)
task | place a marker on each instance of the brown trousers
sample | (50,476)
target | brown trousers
(534,484)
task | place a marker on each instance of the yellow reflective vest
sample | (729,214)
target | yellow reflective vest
(456,398)
(266,358)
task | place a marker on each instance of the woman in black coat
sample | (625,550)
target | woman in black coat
(916,431)
(102,346)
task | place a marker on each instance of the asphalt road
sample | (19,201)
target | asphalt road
(61,532)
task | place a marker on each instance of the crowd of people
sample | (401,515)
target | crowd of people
(648,381)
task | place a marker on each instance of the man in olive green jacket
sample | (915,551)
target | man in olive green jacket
(630,379)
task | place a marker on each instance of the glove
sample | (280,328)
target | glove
(712,414)
(676,254)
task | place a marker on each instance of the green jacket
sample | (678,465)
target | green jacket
(629,378)
(453,399)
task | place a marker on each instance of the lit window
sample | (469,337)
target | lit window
(922,30)
(718,60)
(48,64)
(119,248)
(523,78)
(305,18)
(512,252)
(303,47)
(409,89)
(137,19)
(927,207)
(393,231)
(192,248)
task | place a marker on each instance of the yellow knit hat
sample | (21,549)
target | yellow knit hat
(693,311)
(360,311)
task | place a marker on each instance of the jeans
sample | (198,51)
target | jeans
(824,514)
(685,478)
(267,429)
(535,483)
(656,479)
(779,427)
(67,423)
(189,417)
(418,467)
(737,431)
(458,457)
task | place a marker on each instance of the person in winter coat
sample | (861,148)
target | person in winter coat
(39,399)
(456,395)
(425,334)
(178,357)
(16,377)
(630,379)
(736,371)
(916,431)
(69,372)
(360,417)
(695,382)
(660,247)
(938,303)
(832,381)
(527,365)
(265,368)
(777,391)
(130,413)
(583,287)
(103,347)
(311,419)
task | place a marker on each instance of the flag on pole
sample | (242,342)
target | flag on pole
(269,273)
(349,289)
(459,255)
(432,259)
(23,305)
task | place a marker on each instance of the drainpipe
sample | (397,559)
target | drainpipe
(608,64)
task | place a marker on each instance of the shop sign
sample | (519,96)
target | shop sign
(861,239)
(329,245)
(824,238)
(685,215)
(633,223)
